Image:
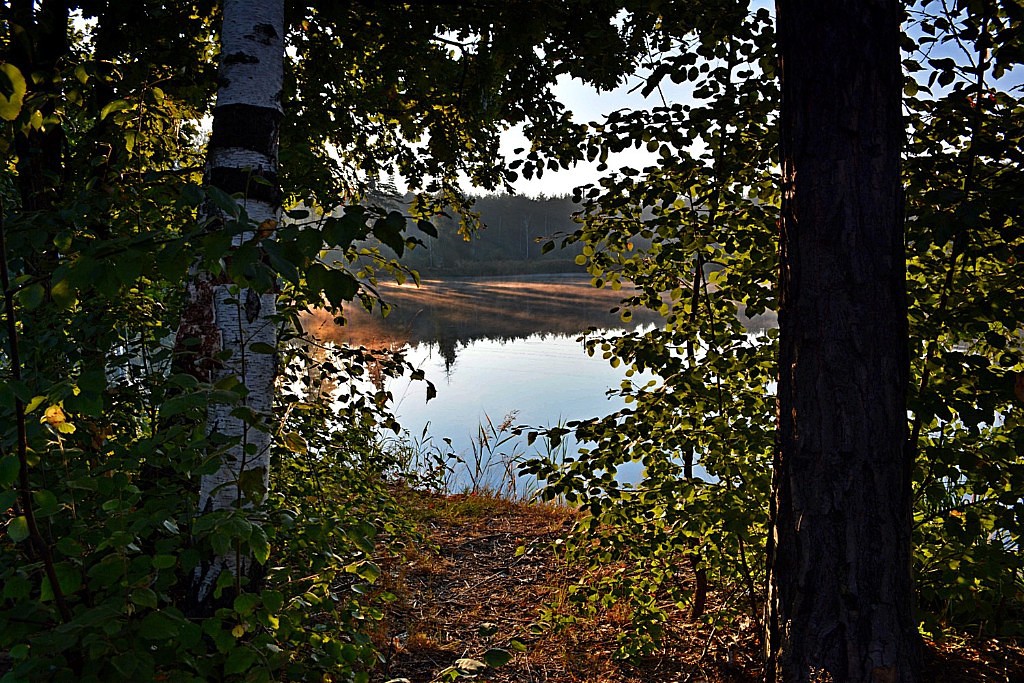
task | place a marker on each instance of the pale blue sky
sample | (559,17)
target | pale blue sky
(587,104)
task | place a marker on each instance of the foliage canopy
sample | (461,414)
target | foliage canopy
(102,147)
(704,428)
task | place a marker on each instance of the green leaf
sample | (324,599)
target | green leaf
(240,660)
(365,570)
(69,547)
(125,664)
(246,603)
(427,227)
(112,107)
(496,657)
(6,395)
(159,626)
(272,600)
(339,286)
(262,347)
(86,404)
(342,232)
(144,597)
(12,91)
(32,296)
(92,380)
(9,468)
(164,561)
(282,260)
(17,529)
(46,503)
(64,295)
(294,442)
(192,194)
(223,201)
(260,545)
(389,231)
(68,577)
(253,484)
(17,587)
(452,673)
(181,404)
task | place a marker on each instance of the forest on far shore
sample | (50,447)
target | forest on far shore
(514,231)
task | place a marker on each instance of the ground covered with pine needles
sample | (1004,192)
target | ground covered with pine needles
(466,591)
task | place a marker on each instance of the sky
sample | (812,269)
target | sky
(587,104)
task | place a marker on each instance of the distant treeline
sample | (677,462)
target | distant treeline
(510,243)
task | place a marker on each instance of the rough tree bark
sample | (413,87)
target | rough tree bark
(840,586)
(221,319)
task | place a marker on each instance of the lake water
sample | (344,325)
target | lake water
(493,348)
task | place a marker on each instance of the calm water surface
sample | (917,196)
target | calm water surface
(543,378)
(493,348)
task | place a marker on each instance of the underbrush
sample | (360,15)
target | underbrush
(114,485)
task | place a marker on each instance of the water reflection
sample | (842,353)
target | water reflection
(496,347)
(453,313)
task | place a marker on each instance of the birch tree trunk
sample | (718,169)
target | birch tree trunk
(223,321)
(840,587)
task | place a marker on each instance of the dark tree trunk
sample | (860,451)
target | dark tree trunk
(840,581)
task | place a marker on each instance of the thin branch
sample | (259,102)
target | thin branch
(24,485)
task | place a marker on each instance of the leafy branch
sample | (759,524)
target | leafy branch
(24,485)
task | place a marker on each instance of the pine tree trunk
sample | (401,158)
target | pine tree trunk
(840,585)
(241,160)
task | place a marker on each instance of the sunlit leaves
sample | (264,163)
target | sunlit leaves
(112,107)
(964,280)
(17,528)
(12,91)
(294,442)
(694,232)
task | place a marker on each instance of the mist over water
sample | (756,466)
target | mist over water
(495,347)
(451,314)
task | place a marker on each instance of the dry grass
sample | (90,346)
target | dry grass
(470,580)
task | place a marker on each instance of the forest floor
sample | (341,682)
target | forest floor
(466,590)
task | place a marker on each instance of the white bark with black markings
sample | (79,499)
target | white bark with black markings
(241,160)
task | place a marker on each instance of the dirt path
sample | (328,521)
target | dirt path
(477,583)
(472,591)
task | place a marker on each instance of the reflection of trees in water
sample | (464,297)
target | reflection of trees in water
(448,347)
(451,313)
